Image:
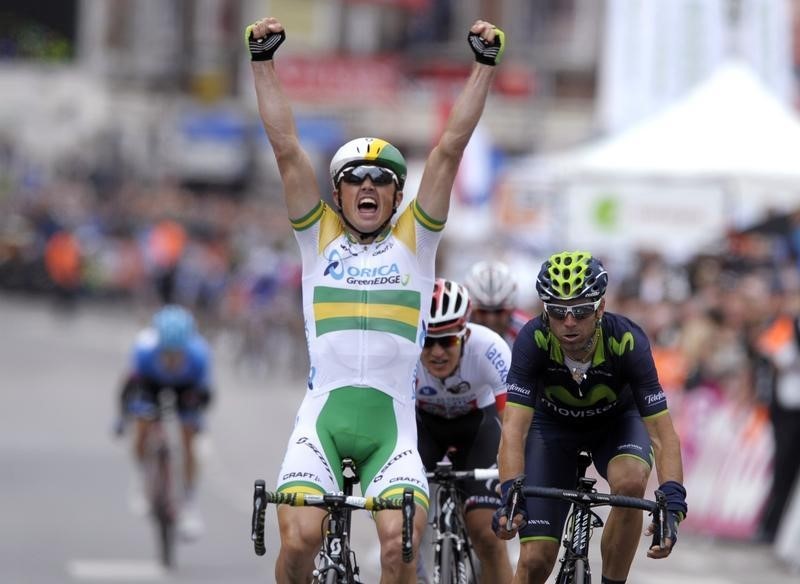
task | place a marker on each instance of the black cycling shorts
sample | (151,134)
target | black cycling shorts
(475,438)
(141,398)
(551,455)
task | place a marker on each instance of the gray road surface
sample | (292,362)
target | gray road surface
(64,485)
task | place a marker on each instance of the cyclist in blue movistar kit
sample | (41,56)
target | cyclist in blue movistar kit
(170,354)
(583,378)
(366,285)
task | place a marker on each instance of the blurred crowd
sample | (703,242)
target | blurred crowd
(225,258)
(726,334)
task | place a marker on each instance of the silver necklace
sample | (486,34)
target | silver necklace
(578,371)
(581,366)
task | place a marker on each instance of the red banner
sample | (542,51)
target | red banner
(345,79)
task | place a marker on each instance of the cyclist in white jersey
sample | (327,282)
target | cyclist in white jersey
(461,394)
(364,281)
(493,291)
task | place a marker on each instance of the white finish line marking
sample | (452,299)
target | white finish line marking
(116,570)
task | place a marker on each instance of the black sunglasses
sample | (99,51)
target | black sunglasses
(444,342)
(377,174)
(579,311)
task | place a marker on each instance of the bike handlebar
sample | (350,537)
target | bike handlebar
(590,499)
(261,497)
(446,473)
(657,508)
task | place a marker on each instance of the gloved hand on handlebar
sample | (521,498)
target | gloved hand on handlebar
(674,495)
(676,507)
(513,503)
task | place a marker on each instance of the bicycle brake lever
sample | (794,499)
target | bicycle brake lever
(660,521)
(516,489)
(408,525)
(257,522)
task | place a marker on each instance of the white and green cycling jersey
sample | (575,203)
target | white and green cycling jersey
(365,309)
(365,305)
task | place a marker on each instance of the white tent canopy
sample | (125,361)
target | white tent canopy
(729,126)
(719,158)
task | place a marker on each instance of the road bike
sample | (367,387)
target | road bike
(159,478)
(454,560)
(582,520)
(336,563)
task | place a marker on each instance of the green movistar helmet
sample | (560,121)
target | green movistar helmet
(372,151)
(571,274)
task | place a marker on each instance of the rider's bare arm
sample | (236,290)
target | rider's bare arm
(297,173)
(511,454)
(666,446)
(442,164)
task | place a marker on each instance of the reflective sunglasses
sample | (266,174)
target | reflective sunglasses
(444,342)
(579,311)
(377,174)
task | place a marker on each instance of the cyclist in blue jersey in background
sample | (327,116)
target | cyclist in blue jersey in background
(170,354)
(366,286)
(583,378)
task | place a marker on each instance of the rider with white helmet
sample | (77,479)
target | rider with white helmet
(366,285)
(461,394)
(493,290)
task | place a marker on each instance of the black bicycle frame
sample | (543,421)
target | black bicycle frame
(453,548)
(336,557)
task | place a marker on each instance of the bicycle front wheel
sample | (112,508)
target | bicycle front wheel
(574,572)
(581,575)
(446,568)
(164,512)
(166,541)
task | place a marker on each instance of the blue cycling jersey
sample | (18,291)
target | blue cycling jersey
(622,375)
(194,371)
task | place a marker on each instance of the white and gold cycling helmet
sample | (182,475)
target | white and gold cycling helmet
(368,151)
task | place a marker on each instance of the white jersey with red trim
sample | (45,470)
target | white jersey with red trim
(363,303)
(478,381)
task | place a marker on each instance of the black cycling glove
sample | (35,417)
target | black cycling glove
(263,48)
(485,53)
(510,497)
(676,507)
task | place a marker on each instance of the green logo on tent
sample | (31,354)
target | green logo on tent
(605,212)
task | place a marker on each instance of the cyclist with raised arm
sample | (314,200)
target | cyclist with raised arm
(583,378)
(461,394)
(493,291)
(366,284)
(170,355)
